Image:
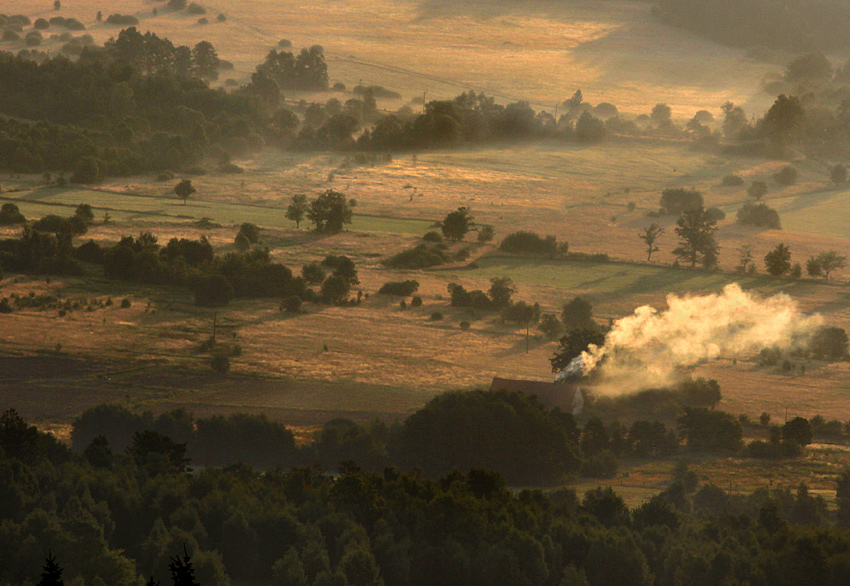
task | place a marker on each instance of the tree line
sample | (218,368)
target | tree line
(139,519)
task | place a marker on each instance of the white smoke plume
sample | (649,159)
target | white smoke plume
(651,348)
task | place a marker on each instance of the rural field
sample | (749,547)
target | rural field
(377,359)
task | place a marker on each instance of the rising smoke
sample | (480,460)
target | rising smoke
(652,348)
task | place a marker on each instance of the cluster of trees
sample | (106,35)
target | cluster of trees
(129,521)
(139,104)
(329,212)
(778,263)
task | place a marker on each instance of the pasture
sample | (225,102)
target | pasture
(377,360)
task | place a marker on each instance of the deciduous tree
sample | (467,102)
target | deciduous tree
(696,229)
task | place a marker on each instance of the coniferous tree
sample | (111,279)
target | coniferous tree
(182,570)
(52,573)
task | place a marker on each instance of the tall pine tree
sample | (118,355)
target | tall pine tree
(52,573)
(182,570)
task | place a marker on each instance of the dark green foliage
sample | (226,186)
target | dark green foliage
(432,236)
(478,430)
(251,232)
(797,430)
(436,316)
(36,252)
(457,223)
(676,201)
(572,345)
(122,19)
(220,363)
(313,273)
(59,225)
(550,326)
(710,431)
(335,290)
(399,288)
(732,180)
(589,129)
(829,343)
(184,189)
(305,72)
(476,298)
(330,212)
(695,229)
(421,256)
(10,214)
(89,252)
(521,313)
(98,453)
(651,439)
(529,243)
(577,314)
(786,176)
(213,291)
(758,215)
(757,189)
(416,301)
(716,214)
(251,439)
(157,452)
(778,261)
(291,304)
(501,290)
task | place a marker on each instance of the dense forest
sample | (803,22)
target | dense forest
(118,518)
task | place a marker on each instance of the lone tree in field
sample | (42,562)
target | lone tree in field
(297,209)
(457,224)
(650,235)
(778,261)
(184,189)
(330,212)
(695,230)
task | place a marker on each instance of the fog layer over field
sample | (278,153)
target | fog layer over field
(652,348)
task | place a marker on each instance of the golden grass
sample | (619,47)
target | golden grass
(540,53)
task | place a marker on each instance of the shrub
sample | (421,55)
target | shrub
(221,18)
(485,233)
(177,4)
(250,231)
(733,180)
(465,325)
(420,256)
(416,301)
(676,201)
(432,236)
(786,176)
(436,316)
(195,8)
(41,24)
(291,304)
(220,363)
(11,214)
(125,303)
(529,243)
(313,273)
(760,215)
(122,19)
(399,288)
